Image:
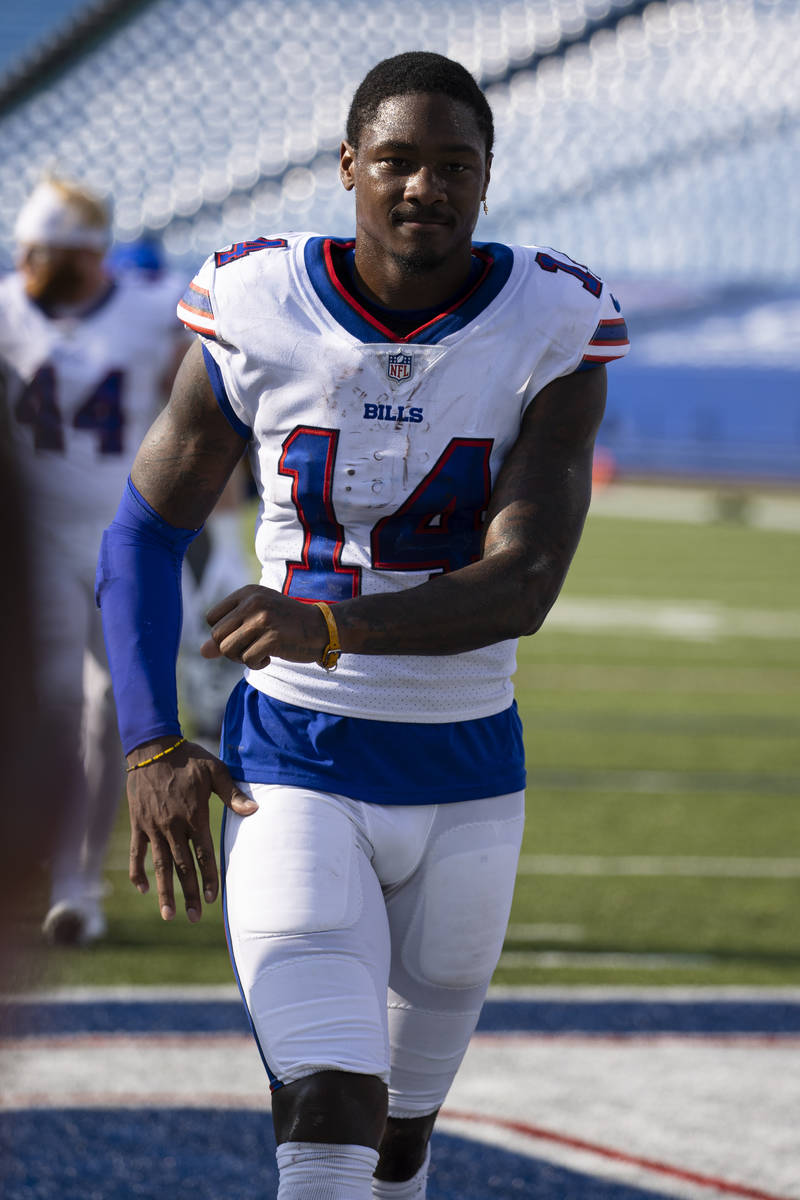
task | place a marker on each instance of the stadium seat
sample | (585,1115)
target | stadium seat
(648,139)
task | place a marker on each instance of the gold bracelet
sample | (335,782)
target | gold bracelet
(161,754)
(331,653)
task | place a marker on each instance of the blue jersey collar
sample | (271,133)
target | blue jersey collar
(347,310)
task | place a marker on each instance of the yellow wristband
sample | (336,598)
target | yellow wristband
(331,653)
(161,754)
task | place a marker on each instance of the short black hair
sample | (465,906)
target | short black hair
(411,72)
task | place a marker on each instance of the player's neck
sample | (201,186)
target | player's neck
(402,285)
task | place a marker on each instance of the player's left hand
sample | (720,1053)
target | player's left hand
(255,622)
(168,801)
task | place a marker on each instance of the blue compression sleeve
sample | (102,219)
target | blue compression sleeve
(138,589)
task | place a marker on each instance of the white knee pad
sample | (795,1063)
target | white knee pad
(457,930)
(322,1171)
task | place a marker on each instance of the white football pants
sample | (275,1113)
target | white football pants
(364,936)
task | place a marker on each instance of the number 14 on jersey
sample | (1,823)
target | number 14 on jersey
(436,529)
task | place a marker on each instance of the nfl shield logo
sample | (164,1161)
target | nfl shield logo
(399,366)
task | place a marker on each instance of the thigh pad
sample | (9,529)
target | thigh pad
(291,866)
(460,917)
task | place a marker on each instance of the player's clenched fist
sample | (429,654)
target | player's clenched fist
(254,623)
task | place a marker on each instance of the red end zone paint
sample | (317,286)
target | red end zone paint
(536,1131)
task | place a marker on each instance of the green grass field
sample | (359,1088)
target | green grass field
(663,835)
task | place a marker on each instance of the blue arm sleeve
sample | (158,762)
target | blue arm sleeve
(138,589)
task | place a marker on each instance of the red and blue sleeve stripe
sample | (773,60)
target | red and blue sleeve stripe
(609,341)
(196,312)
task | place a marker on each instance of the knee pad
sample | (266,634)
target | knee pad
(319,1012)
(457,930)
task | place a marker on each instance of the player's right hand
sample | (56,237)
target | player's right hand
(168,802)
(255,622)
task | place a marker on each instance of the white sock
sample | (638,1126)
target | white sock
(323,1171)
(410,1189)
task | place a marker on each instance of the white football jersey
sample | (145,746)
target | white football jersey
(375,456)
(81,391)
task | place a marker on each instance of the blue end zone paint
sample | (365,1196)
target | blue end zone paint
(151,1154)
(203,1154)
(602,1017)
(640,1017)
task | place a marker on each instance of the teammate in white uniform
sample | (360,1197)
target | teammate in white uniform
(217,561)
(84,360)
(420,413)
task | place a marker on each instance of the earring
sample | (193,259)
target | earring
(485,206)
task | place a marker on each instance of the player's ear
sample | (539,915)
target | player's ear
(347,160)
(488,173)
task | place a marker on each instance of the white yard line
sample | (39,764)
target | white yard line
(655,783)
(615,960)
(161,993)
(696,866)
(693,621)
(649,993)
(519,932)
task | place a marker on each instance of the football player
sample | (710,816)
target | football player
(84,359)
(215,564)
(419,412)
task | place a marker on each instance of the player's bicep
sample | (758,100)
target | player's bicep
(542,492)
(190,450)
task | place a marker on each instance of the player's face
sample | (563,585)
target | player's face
(51,274)
(419,174)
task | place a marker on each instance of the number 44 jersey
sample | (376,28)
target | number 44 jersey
(80,390)
(375,452)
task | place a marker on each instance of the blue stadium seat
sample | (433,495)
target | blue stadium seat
(644,148)
(25,28)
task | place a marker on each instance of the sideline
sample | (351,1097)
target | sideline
(729,503)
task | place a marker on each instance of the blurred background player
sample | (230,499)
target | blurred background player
(86,358)
(216,561)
